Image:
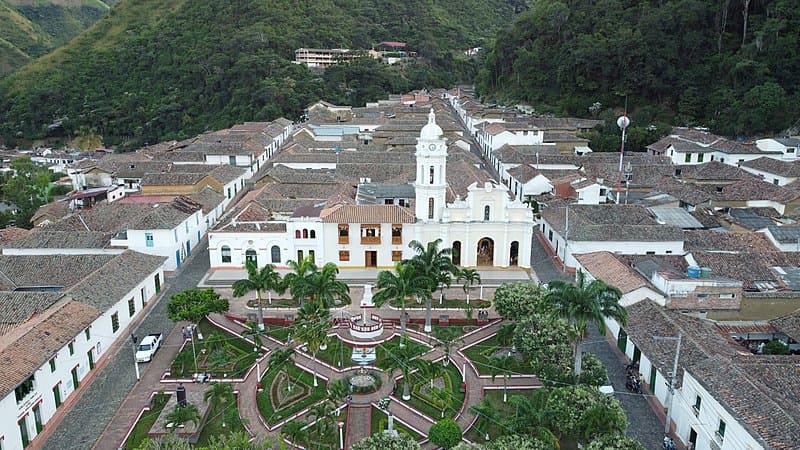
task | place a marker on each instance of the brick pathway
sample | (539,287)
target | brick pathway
(359,424)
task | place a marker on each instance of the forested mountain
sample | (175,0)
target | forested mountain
(31,28)
(731,65)
(161,69)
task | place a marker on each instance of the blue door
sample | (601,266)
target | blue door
(188,249)
(198,236)
(178,258)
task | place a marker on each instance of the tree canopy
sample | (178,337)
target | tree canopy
(384,441)
(728,65)
(445,433)
(195,304)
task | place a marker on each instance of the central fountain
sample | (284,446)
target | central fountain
(366,326)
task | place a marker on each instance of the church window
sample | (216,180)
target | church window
(226,254)
(313,234)
(297,234)
(486,212)
(276,254)
(430,177)
(430,208)
(305,233)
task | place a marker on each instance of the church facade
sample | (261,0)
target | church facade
(486,228)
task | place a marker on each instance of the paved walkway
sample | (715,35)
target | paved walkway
(83,422)
(544,263)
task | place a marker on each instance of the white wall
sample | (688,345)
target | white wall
(240,242)
(769,177)
(358,250)
(168,242)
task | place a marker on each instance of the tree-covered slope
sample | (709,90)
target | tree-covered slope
(160,69)
(732,65)
(31,28)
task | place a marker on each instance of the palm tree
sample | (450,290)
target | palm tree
(470,277)
(182,415)
(505,335)
(401,359)
(584,302)
(311,327)
(448,338)
(487,411)
(405,282)
(295,431)
(430,369)
(531,416)
(321,412)
(219,394)
(309,282)
(437,265)
(266,279)
(254,331)
(502,365)
(338,389)
(280,359)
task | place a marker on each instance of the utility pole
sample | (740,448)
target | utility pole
(672,377)
(566,238)
(134,339)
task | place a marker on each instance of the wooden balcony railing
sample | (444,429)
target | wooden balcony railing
(370,240)
(344,239)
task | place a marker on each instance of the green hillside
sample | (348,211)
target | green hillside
(733,66)
(31,28)
(161,69)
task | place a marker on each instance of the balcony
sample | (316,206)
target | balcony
(397,240)
(370,240)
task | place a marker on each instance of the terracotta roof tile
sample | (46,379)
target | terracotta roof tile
(604,266)
(368,214)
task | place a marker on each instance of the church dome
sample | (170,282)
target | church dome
(431,131)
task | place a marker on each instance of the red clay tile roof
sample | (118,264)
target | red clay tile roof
(604,266)
(368,214)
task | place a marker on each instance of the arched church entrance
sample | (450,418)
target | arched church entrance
(485,252)
(457,253)
(514,254)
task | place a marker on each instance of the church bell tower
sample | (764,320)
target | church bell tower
(431,182)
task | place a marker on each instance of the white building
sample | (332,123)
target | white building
(51,341)
(487,227)
(725,397)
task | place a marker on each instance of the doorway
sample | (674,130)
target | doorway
(371,258)
(486,252)
(693,438)
(250,255)
(514,254)
(457,253)
(90,355)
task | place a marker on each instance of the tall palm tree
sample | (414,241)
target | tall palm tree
(430,369)
(403,360)
(470,277)
(182,415)
(312,325)
(309,282)
(321,412)
(219,395)
(584,302)
(338,389)
(437,265)
(266,279)
(399,285)
(295,431)
(502,366)
(280,359)
(531,416)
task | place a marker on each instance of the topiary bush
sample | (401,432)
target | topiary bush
(445,433)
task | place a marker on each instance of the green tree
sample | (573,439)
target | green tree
(593,372)
(576,412)
(584,302)
(776,347)
(181,415)
(311,327)
(502,366)
(266,279)
(219,395)
(614,442)
(530,416)
(448,338)
(282,359)
(404,360)
(445,433)
(469,277)
(195,304)
(385,441)
(515,301)
(399,285)
(443,398)
(518,442)
(295,431)
(309,282)
(436,264)
(338,389)
(541,338)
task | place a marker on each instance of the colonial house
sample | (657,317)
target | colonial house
(624,229)
(606,267)
(688,146)
(59,324)
(787,146)
(724,397)
(773,170)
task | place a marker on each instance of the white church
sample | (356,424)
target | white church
(486,228)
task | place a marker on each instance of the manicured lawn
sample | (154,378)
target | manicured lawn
(426,404)
(385,349)
(337,351)
(444,331)
(279,332)
(146,421)
(380,421)
(213,425)
(220,353)
(301,381)
(480,355)
(483,425)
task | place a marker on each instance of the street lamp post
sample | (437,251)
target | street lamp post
(622,122)
(135,361)
(672,377)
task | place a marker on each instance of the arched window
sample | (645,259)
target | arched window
(486,211)
(305,233)
(226,254)
(313,234)
(430,208)
(275,252)
(250,256)
(430,176)
(297,234)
